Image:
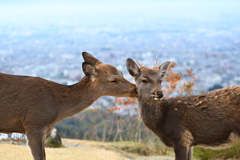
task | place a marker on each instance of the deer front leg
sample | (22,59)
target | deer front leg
(36,144)
(182,146)
(181,152)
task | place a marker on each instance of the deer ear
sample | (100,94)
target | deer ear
(132,67)
(89,70)
(90,59)
(163,68)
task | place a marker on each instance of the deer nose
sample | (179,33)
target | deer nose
(160,94)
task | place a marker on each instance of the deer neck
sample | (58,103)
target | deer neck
(77,97)
(152,112)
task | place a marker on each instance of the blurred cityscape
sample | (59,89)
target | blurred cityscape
(54,52)
(51,46)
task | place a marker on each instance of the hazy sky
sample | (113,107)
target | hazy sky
(15,8)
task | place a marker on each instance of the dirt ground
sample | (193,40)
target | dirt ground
(73,150)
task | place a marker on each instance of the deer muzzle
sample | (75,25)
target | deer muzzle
(157,95)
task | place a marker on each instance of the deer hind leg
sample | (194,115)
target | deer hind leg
(189,153)
(36,144)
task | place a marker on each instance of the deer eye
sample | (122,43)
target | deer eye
(114,81)
(144,81)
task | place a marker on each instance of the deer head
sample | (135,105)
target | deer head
(148,80)
(107,78)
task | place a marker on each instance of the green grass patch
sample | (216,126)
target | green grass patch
(131,147)
(209,154)
(157,146)
(53,143)
(141,149)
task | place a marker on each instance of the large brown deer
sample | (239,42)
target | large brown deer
(210,120)
(33,105)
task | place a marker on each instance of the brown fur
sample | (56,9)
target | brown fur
(210,120)
(33,105)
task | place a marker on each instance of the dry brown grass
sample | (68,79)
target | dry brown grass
(16,152)
(84,150)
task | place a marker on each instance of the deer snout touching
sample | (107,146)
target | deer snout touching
(157,95)
(134,92)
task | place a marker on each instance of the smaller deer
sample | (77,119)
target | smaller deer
(210,120)
(33,106)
